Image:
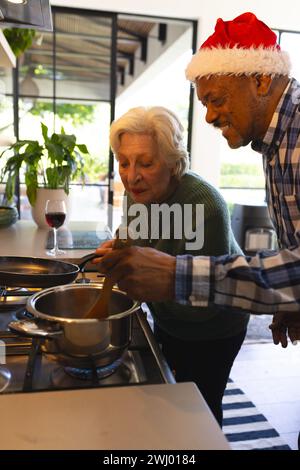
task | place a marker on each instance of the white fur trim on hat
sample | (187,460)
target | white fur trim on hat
(238,61)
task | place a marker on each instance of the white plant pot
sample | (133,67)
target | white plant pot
(38,210)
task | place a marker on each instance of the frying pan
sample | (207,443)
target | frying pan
(16,271)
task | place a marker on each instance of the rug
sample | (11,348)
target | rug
(244,426)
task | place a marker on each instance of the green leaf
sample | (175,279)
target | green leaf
(31,184)
(19,39)
(45,132)
(82,148)
(10,188)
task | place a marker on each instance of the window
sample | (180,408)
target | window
(96,65)
(163,84)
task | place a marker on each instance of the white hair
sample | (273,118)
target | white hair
(163,125)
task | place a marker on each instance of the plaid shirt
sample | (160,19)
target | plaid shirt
(268,282)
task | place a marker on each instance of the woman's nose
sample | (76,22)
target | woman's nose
(133,175)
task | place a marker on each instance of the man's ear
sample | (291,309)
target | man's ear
(263,84)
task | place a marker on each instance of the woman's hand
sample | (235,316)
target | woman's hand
(103,249)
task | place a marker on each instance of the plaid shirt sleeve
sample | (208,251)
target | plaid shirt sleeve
(266,283)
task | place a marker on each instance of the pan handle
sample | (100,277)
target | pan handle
(86,259)
(30,328)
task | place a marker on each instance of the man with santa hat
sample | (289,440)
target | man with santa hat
(242,78)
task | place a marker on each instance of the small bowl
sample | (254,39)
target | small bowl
(8,216)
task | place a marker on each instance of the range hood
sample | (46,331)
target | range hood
(35,14)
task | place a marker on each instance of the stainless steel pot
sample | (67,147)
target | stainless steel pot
(58,316)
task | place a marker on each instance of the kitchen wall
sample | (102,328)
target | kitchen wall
(277,14)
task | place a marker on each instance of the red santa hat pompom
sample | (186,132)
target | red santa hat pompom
(243,46)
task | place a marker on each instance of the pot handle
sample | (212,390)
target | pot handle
(30,328)
(86,259)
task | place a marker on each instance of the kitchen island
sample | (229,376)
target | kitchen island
(166,416)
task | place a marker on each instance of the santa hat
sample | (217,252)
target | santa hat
(243,46)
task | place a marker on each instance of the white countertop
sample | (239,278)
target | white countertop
(25,239)
(166,416)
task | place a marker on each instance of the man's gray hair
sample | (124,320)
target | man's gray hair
(163,125)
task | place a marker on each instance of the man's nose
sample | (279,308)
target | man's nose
(211,114)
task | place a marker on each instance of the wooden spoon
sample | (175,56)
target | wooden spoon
(100,308)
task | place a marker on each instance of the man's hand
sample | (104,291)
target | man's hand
(285,325)
(143,273)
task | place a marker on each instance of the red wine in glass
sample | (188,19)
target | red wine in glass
(55,219)
(55,214)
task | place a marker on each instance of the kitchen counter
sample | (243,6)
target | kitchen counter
(166,416)
(25,239)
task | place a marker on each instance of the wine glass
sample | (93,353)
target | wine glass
(55,213)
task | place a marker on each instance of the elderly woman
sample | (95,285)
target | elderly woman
(153,165)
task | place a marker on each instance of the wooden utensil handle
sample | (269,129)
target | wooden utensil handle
(100,308)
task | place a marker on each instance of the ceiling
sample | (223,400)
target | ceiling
(84,51)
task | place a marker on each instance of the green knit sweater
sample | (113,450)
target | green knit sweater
(195,323)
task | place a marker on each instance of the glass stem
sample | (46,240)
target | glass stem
(55,247)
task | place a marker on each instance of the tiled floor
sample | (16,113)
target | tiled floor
(270,376)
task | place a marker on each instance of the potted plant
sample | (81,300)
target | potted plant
(19,39)
(50,165)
